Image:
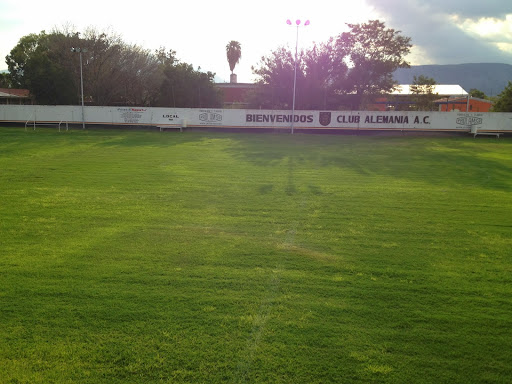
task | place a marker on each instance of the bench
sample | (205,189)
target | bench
(164,127)
(49,123)
(175,126)
(475,131)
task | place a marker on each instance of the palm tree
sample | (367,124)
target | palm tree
(234,53)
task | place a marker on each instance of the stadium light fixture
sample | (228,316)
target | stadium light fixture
(298,23)
(80,50)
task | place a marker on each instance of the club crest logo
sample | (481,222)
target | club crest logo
(325,118)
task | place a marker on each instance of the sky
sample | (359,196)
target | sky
(442,32)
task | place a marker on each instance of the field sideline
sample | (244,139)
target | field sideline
(200,257)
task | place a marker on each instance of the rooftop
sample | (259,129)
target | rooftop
(12,92)
(440,89)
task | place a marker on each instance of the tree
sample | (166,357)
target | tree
(473,92)
(349,70)
(140,77)
(184,87)
(423,95)
(102,69)
(113,72)
(275,81)
(45,65)
(373,52)
(504,100)
(18,57)
(234,54)
(320,73)
(32,65)
(324,76)
(5,80)
(50,83)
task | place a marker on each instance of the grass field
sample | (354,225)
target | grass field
(138,257)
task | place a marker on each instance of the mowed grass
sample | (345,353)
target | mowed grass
(141,257)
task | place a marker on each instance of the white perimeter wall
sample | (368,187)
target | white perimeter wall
(241,118)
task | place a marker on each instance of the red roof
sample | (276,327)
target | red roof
(15,92)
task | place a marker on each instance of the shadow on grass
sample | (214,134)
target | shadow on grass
(49,142)
(146,137)
(444,161)
(448,161)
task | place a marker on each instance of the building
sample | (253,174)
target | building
(460,104)
(234,95)
(15,96)
(402,97)
(447,98)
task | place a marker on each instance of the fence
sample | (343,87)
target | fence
(263,119)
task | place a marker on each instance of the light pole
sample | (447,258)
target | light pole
(297,22)
(80,50)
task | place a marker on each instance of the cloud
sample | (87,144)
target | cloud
(446,32)
(491,29)
(472,9)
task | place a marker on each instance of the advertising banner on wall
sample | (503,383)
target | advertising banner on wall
(262,119)
(132,116)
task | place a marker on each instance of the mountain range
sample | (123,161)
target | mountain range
(490,78)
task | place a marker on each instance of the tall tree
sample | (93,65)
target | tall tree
(373,52)
(324,76)
(19,56)
(234,54)
(140,77)
(113,72)
(320,73)
(423,95)
(504,100)
(346,72)
(275,82)
(32,65)
(102,65)
(184,87)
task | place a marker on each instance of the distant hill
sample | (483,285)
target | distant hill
(488,78)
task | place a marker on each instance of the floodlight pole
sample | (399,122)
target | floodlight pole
(297,22)
(295,77)
(82,90)
(80,50)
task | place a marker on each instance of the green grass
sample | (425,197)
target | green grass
(133,257)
